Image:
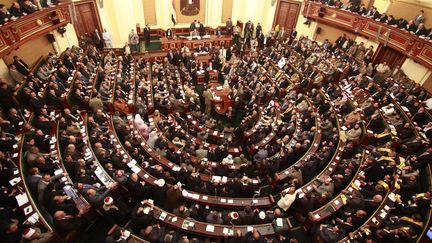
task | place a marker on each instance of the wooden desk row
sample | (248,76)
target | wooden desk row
(283,175)
(224,202)
(339,201)
(279,225)
(24,199)
(179,42)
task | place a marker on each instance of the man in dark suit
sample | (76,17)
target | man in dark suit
(193,26)
(218,32)
(410,27)
(147,35)
(391,20)
(383,18)
(201,29)
(401,23)
(200,48)
(21,66)
(229,26)
(421,30)
(65,224)
(373,13)
(258,30)
(360,9)
(170,56)
(97,39)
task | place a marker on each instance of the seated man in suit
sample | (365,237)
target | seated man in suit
(201,48)
(421,30)
(65,224)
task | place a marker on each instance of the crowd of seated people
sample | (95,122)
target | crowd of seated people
(407,118)
(22,8)
(133,139)
(414,26)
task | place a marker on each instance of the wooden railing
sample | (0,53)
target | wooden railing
(15,33)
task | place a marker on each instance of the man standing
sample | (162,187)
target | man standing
(147,35)
(21,66)
(258,30)
(17,77)
(107,39)
(97,39)
(208,97)
(134,41)
(229,26)
(281,34)
(192,26)
(420,18)
(246,29)
(248,32)
(202,30)
(236,34)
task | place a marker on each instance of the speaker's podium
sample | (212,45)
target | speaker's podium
(213,75)
(200,77)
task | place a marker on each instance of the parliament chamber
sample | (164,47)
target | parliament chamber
(215,121)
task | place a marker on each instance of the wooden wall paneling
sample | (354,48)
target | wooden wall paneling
(287,13)
(87,17)
(389,55)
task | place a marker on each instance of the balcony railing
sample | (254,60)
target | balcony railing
(26,28)
(411,45)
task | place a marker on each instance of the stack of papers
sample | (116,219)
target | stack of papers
(21,199)
(210,228)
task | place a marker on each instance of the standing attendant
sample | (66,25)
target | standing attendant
(202,30)
(192,26)
(419,18)
(133,41)
(21,66)
(97,39)
(258,30)
(147,35)
(107,39)
(229,26)
(236,34)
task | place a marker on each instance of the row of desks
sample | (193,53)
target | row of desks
(178,43)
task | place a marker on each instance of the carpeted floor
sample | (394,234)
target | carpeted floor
(154,45)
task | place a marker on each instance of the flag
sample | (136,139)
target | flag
(173,13)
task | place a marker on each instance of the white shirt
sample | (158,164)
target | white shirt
(281,62)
